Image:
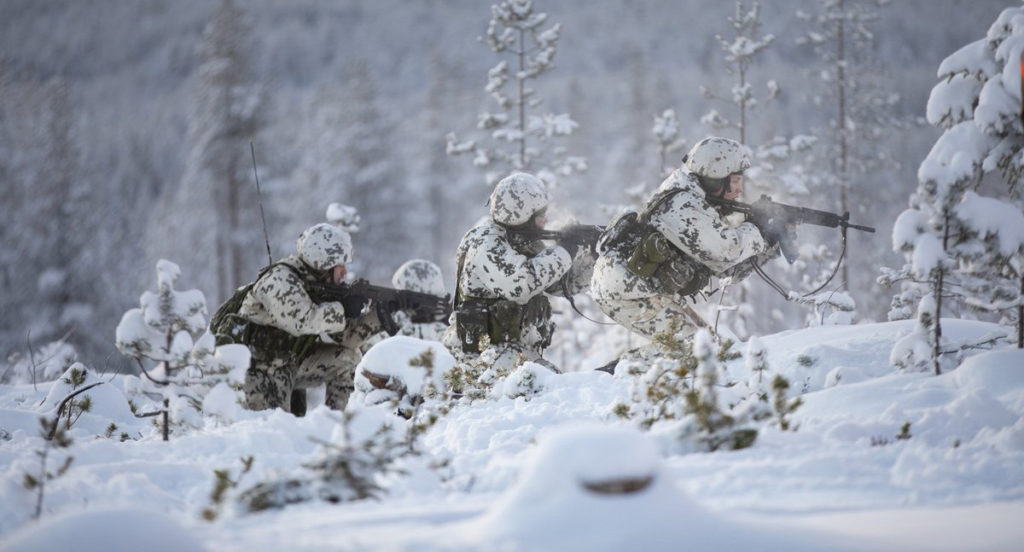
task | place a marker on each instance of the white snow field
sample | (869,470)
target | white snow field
(558,470)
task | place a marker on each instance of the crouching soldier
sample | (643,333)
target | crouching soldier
(651,263)
(295,342)
(504,272)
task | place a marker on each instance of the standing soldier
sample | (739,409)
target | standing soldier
(651,263)
(295,342)
(503,273)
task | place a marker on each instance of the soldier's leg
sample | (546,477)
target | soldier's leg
(268,384)
(333,366)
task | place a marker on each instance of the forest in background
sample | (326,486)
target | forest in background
(107,137)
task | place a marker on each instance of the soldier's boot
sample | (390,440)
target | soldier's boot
(298,402)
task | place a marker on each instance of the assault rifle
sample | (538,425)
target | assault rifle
(579,234)
(421,307)
(771,218)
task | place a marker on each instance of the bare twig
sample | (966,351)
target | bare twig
(31,358)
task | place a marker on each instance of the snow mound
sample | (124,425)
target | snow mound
(597,487)
(397,360)
(117,530)
(997,372)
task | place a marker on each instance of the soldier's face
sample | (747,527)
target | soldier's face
(540,219)
(735,188)
(337,274)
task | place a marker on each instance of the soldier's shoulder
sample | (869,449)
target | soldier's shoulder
(285,268)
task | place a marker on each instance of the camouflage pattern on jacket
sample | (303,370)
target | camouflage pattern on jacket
(279,300)
(697,229)
(492,267)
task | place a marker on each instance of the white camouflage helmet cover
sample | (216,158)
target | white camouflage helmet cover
(420,276)
(716,157)
(516,198)
(324,246)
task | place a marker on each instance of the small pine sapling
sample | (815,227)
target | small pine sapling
(222,483)
(782,406)
(55,438)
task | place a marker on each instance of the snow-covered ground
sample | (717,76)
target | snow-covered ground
(520,472)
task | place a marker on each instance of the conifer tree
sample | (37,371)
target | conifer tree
(517,137)
(775,169)
(945,236)
(392,215)
(168,339)
(218,240)
(861,117)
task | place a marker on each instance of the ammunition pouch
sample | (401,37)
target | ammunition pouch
(501,320)
(265,340)
(654,257)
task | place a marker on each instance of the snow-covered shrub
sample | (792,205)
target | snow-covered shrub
(402,371)
(366,445)
(168,339)
(680,386)
(45,364)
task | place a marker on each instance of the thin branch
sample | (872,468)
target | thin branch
(149,377)
(31,358)
(63,403)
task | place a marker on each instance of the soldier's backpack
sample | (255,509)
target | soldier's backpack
(225,324)
(650,255)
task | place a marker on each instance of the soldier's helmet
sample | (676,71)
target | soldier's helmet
(516,198)
(324,246)
(716,158)
(420,276)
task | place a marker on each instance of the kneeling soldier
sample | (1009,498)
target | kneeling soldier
(295,342)
(503,273)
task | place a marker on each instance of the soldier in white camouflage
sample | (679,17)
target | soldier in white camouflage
(503,275)
(421,276)
(295,342)
(651,264)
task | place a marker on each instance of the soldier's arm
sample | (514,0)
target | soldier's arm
(290,307)
(515,276)
(695,227)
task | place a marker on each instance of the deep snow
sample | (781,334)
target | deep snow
(517,467)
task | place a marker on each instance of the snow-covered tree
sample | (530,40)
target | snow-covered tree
(852,152)
(520,138)
(391,213)
(218,239)
(168,339)
(955,241)
(666,133)
(775,169)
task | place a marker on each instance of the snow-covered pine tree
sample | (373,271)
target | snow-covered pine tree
(775,170)
(666,133)
(991,254)
(168,339)
(862,116)
(518,137)
(947,243)
(392,216)
(220,240)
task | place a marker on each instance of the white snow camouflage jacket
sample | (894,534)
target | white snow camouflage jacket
(696,228)
(279,299)
(493,269)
